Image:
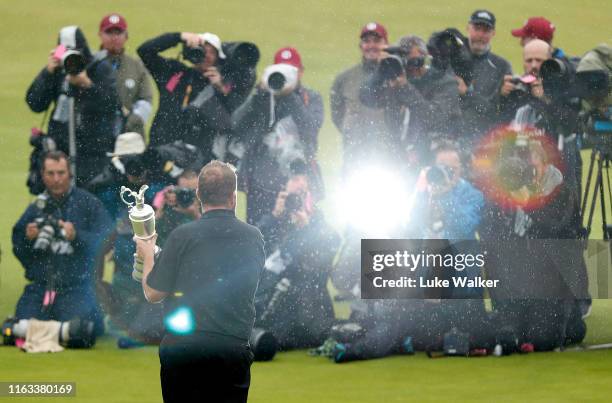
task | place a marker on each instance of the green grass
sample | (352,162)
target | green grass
(326,34)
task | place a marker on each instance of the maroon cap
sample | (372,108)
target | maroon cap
(536,27)
(113,21)
(288,55)
(374,28)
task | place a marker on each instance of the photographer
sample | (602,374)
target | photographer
(479,99)
(180,84)
(279,124)
(57,240)
(133,82)
(419,101)
(176,205)
(528,88)
(534,105)
(529,237)
(122,299)
(72,73)
(302,248)
(361,127)
(451,205)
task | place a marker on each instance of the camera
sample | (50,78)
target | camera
(49,228)
(293,203)
(280,77)
(75,333)
(194,55)
(440,175)
(391,67)
(523,83)
(73,61)
(184,196)
(450,48)
(558,77)
(241,55)
(263,344)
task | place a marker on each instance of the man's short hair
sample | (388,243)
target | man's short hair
(216,183)
(411,41)
(55,156)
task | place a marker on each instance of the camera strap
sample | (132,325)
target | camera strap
(44,119)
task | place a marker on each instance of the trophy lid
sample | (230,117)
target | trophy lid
(138,197)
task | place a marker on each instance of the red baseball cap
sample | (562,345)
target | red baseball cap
(374,28)
(536,27)
(288,55)
(113,20)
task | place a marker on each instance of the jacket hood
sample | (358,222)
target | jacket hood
(73,38)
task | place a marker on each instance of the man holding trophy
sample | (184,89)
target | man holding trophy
(207,275)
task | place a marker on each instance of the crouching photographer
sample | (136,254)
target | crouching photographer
(420,101)
(292,300)
(57,240)
(122,299)
(279,123)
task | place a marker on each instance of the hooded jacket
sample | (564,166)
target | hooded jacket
(95,108)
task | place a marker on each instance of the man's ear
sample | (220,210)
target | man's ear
(234,199)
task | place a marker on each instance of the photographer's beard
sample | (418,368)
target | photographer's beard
(479,47)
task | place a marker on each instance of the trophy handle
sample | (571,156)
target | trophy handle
(130,193)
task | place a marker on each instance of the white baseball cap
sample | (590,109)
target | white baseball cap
(127,144)
(215,41)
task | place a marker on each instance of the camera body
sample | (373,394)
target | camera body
(194,55)
(523,83)
(450,48)
(279,78)
(184,196)
(293,203)
(440,175)
(49,228)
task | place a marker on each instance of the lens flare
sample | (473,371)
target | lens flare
(375,201)
(508,159)
(181,321)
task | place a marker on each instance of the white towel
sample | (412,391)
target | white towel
(43,337)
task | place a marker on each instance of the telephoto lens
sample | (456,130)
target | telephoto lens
(276,81)
(263,344)
(73,62)
(391,67)
(44,238)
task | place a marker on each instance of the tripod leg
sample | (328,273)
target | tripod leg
(588,185)
(598,186)
(606,234)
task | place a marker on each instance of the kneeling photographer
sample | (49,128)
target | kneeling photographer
(57,240)
(292,300)
(122,299)
(420,101)
(279,123)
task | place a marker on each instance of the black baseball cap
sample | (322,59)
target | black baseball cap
(483,17)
